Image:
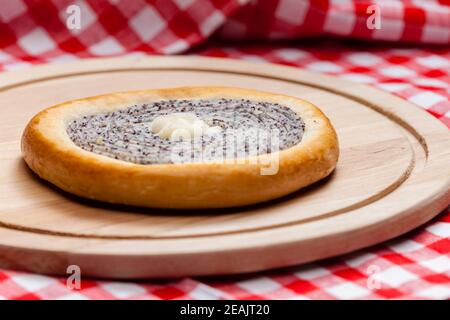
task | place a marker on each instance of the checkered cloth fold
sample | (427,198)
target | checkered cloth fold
(35,30)
(414,266)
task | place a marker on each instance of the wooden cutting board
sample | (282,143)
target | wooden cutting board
(393,175)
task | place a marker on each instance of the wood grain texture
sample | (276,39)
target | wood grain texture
(392,176)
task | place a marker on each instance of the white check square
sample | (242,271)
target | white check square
(426,99)
(108,46)
(440,264)
(433,61)
(395,276)
(312,272)
(291,54)
(397,72)
(405,245)
(9,12)
(176,47)
(36,42)
(348,290)
(364,59)
(436,292)
(203,292)
(324,66)
(73,296)
(390,30)
(33,282)
(293,12)
(259,285)
(212,23)
(123,290)
(148,23)
(441,229)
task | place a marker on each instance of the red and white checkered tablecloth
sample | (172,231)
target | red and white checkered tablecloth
(414,266)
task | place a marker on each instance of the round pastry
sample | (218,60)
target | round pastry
(198,147)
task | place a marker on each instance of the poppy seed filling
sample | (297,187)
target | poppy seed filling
(248,128)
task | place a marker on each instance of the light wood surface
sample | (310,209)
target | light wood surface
(392,176)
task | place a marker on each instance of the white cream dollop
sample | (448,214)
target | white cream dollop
(181,125)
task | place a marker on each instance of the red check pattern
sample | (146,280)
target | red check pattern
(414,266)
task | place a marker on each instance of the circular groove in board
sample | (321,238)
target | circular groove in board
(360,160)
(380,158)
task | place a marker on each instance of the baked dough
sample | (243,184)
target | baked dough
(50,152)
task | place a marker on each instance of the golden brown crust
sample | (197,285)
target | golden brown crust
(48,151)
